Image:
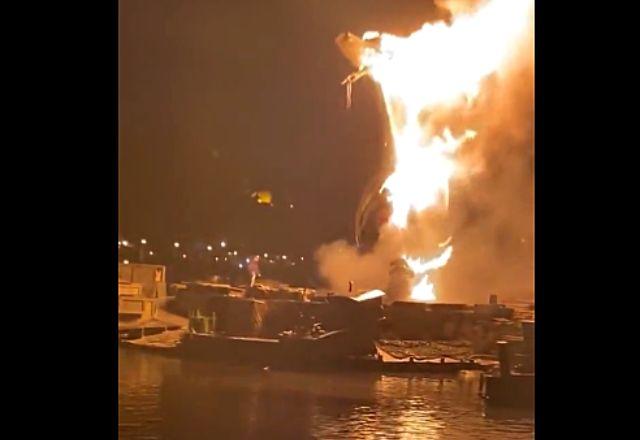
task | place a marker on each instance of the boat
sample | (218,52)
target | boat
(338,350)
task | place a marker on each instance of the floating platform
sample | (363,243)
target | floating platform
(332,352)
(329,347)
(414,364)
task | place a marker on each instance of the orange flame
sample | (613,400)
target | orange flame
(438,66)
(423,289)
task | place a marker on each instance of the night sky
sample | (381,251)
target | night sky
(218,99)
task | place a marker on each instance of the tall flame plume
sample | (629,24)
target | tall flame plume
(439,66)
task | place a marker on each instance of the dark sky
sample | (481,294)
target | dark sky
(221,98)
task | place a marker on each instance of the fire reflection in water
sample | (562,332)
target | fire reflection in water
(169,398)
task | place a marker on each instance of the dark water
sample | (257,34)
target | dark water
(166,398)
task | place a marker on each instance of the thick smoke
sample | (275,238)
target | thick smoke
(491,210)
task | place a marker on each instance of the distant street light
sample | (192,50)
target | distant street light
(143,241)
(209,248)
(223,244)
(176,244)
(150,252)
(125,243)
(184,255)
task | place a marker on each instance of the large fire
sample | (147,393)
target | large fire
(439,66)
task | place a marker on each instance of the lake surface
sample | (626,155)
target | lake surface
(166,398)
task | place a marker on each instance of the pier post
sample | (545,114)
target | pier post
(503,357)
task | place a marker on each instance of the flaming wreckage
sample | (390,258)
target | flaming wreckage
(353,47)
(374,210)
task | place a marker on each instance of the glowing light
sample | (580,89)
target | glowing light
(301,258)
(240,266)
(176,245)
(143,241)
(150,252)
(265,255)
(217,258)
(209,248)
(184,255)
(284,257)
(235,252)
(125,243)
(126,261)
(223,244)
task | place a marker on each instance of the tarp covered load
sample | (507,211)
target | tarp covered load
(238,316)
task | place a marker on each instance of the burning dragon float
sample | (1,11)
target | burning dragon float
(437,69)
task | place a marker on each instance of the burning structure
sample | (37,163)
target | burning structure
(431,83)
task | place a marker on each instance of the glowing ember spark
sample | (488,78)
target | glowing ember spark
(438,66)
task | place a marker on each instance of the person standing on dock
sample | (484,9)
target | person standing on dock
(254,269)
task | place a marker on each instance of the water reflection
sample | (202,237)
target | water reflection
(173,399)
